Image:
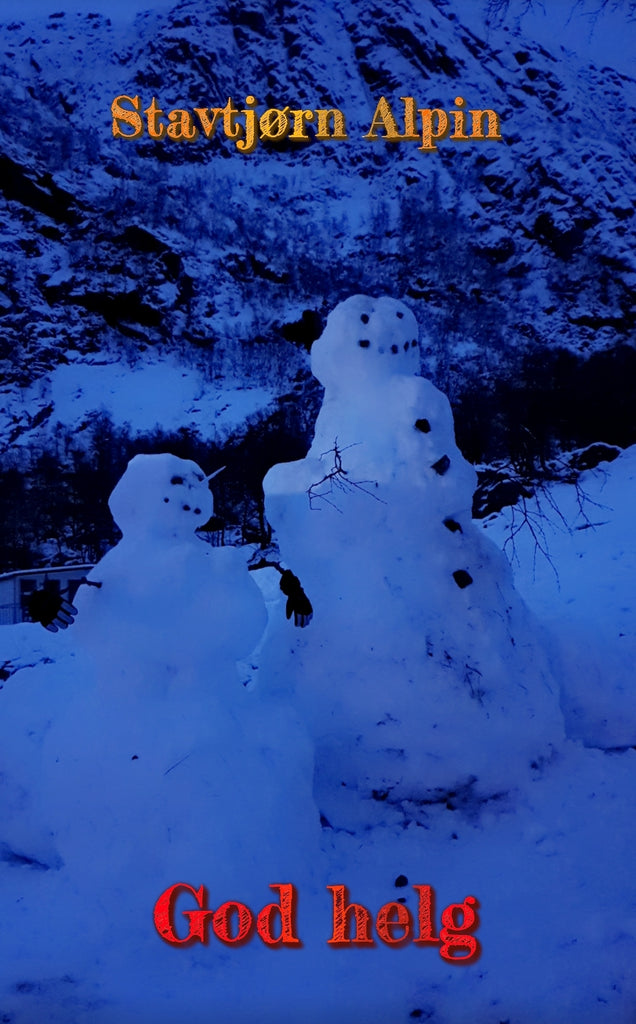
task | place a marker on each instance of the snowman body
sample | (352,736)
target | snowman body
(415,676)
(163,765)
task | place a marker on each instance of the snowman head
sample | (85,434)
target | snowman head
(161,495)
(366,340)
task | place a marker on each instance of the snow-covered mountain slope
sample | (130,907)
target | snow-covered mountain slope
(503,249)
(516,256)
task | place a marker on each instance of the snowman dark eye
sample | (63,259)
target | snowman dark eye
(166,500)
(186,508)
(177,480)
(394,349)
(364,318)
(364,343)
(399,315)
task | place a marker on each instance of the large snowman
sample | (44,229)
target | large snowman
(420,675)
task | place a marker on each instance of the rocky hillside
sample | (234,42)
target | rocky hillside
(214,268)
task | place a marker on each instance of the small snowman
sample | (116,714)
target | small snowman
(163,763)
(162,599)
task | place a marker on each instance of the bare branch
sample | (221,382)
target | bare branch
(337,479)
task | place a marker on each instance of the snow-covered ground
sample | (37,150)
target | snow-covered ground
(573,552)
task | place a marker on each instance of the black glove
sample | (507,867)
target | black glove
(51,610)
(297,600)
